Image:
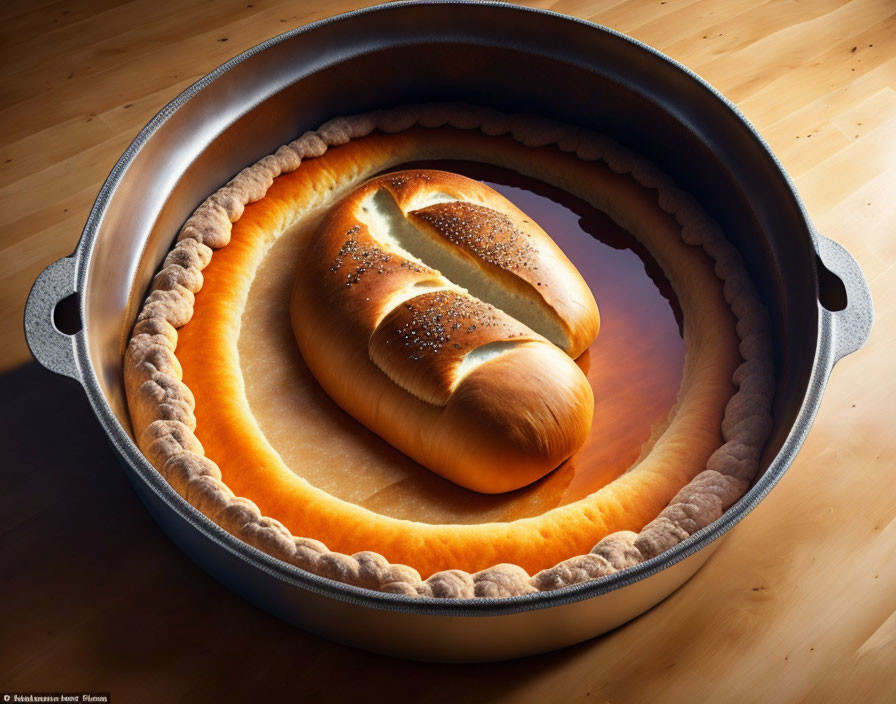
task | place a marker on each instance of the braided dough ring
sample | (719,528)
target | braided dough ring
(557,546)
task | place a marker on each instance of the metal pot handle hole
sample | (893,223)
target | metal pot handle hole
(844,297)
(51,346)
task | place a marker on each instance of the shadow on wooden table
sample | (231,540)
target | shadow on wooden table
(94,597)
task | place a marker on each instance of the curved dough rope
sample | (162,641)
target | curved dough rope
(162,406)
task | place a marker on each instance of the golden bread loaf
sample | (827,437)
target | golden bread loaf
(426,295)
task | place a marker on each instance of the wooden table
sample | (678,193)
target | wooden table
(799,604)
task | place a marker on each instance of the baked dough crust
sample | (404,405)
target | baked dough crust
(556,546)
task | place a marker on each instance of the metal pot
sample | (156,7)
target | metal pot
(514,59)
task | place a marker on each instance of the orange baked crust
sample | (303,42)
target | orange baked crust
(207,352)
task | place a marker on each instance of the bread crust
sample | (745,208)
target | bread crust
(393,341)
(162,407)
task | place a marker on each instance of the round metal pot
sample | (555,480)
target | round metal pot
(513,59)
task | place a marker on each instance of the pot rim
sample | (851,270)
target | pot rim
(825,357)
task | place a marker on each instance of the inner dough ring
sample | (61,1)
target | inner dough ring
(162,407)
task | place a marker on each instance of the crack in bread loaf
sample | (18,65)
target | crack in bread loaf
(505,416)
(482,243)
(164,412)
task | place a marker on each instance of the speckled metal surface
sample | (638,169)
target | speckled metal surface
(852,325)
(53,349)
(486,52)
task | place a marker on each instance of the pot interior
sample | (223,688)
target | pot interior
(503,57)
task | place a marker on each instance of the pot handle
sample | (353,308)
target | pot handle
(852,323)
(53,348)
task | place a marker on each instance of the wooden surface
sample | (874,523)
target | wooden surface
(798,604)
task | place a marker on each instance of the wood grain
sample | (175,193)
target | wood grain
(798,604)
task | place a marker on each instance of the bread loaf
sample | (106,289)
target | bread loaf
(441,317)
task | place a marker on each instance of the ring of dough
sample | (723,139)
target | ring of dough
(700,465)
